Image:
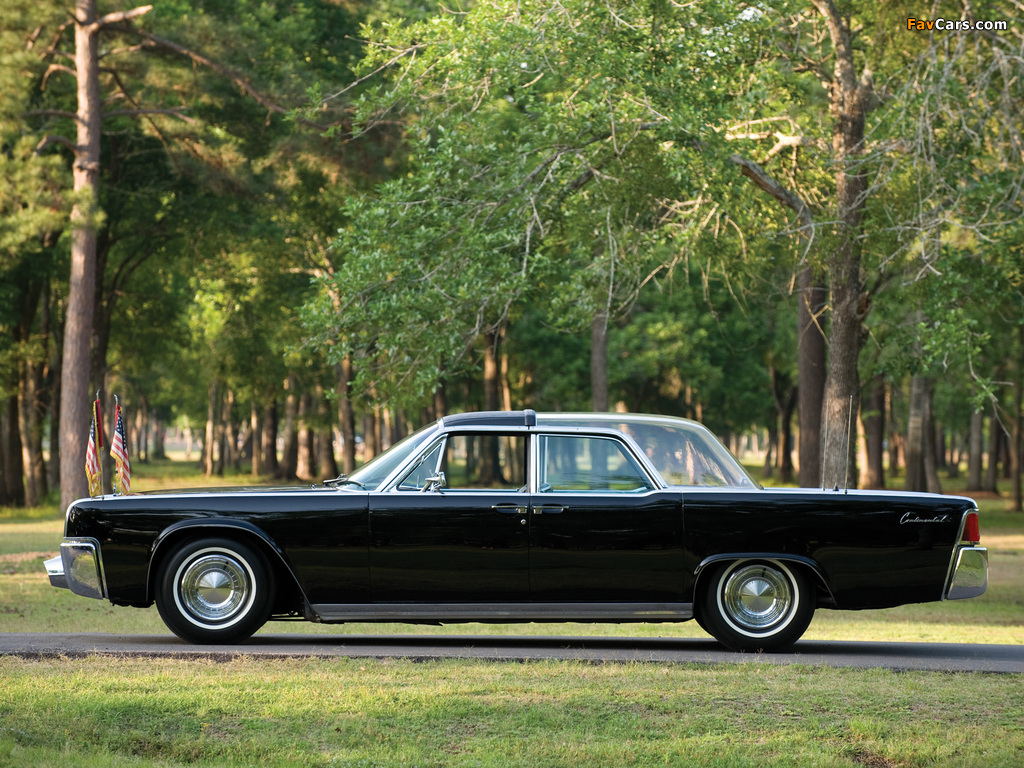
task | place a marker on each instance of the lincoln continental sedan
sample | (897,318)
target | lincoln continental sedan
(510,517)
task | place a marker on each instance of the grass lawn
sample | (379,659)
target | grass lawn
(144,712)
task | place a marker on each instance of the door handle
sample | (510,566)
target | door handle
(509,509)
(548,509)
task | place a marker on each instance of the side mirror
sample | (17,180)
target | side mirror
(435,483)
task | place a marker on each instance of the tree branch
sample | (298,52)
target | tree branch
(51,113)
(118,17)
(764,181)
(217,67)
(61,140)
(134,112)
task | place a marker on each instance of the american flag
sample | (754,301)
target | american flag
(119,453)
(93,470)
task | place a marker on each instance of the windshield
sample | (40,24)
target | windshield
(378,469)
(684,452)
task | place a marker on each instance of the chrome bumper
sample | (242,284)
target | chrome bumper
(969,573)
(79,568)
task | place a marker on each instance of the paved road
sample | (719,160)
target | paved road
(946,657)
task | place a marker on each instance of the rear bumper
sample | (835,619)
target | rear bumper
(79,567)
(968,573)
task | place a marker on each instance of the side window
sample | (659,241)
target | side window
(426,467)
(571,463)
(485,461)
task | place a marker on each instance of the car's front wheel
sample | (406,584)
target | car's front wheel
(755,605)
(214,591)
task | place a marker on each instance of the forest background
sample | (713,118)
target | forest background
(299,228)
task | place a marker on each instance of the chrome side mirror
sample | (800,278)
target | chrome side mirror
(435,483)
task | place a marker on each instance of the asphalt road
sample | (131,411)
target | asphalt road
(944,657)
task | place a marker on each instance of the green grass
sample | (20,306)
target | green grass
(469,713)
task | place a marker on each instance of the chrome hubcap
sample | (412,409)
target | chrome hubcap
(215,587)
(757,597)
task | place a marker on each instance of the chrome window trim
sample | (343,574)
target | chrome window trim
(391,485)
(657,484)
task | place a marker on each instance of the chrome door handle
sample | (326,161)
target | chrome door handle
(510,509)
(548,509)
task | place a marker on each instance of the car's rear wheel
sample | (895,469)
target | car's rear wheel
(755,605)
(214,591)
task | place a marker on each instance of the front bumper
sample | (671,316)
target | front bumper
(79,567)
(969,576)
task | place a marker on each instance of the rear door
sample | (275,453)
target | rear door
(601,530)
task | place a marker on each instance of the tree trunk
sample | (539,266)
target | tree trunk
(53,470)
(371,434)
(811,374)
(769,454)
(142,430)
(849,100)
(931,461)
(270,464)
(1017,504)
(922,474)
(991,471)
(897,463)
(785,397)
(10,455)
(492,384)
(873,416)
(305,464)
(158,450)
(31,427)
(74,410)
(210,435)
(255,438)
(346,415)
(440,401)
(489,466)
(916,423)
(599,363)
(229,433)
(975,447)
(290,455)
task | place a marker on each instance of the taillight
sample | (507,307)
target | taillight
(972,531)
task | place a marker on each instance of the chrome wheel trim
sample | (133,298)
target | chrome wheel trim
(214,588)
(758,599)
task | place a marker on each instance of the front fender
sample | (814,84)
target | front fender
(191,529)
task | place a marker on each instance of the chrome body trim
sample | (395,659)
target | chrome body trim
(82,567)
(500,613)
(55,570)
(969,573)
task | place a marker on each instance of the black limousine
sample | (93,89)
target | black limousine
(525,517)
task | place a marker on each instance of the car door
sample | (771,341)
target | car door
(463,539)
(600,528)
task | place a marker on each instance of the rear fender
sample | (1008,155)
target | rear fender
(809,566)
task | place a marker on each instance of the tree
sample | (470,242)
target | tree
(550,146)
(130,90)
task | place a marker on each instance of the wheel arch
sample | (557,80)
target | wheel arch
(808,566)
(239,530)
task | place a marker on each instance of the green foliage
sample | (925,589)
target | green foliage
(545,142)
